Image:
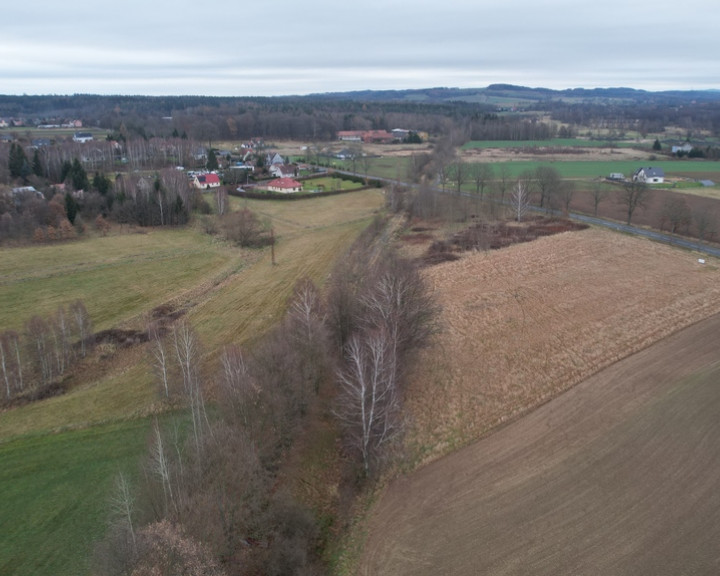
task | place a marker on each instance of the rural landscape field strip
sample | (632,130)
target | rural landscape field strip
(522,324)
(229,295)
(616,476)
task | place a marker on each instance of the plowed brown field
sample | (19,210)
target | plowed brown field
(616,476)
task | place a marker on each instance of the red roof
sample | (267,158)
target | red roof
(209,179)
(284,183)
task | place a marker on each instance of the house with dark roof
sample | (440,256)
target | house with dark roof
(283,170)
(649,175)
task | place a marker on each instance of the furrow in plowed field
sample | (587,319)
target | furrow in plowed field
(616,476)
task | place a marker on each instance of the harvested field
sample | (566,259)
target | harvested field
(522,324)
(617,476)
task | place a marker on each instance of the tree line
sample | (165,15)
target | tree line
(34,360)
(209,498)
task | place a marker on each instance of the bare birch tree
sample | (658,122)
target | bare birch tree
(520,200)
(39,338)
(83,325)
(241,392)
(122,506)
(160,468)
(160,358)
(187,352)
(369,403)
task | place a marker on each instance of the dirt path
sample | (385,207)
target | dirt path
(619,475)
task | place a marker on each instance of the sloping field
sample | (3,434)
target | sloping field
(522,324)
(617,476)
(58,456)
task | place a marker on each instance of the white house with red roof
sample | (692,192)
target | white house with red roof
(284,185)
(205,181)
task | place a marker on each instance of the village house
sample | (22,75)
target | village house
(283,170)
(649,175)
(284,185)
(82,137)
(273,158)
(206,181)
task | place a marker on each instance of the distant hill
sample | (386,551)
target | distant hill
(509,94)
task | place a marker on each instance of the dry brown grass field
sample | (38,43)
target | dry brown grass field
(594,480)
(522,324)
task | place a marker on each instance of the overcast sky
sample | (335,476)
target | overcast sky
(242,48)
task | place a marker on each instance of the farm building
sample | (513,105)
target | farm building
(284,185)
(649,175)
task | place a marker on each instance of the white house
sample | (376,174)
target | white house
(284,185)
(649,175)
(82,137)
(205,181)
(283,170)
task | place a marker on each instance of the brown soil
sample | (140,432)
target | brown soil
(520,326)
(617,476)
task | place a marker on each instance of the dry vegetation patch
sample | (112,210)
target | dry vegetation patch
(524,323)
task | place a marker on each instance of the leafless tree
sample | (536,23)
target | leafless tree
(221,200)
(482,174)
(5,360)
(369,402)
(83,325)
(503,182)
(159,467)
(39,339)
(460,174)
(548,182)
(705,224)
(519,200)
(187,353)
(566,191)
(240,392)
(633,195)
(676,215)
(599,193)
(160,357)
(122,506)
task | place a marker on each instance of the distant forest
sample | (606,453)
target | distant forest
(499,112)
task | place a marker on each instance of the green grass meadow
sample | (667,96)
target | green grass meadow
(117,276)
(55,490)
(555,142)
(58,456)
